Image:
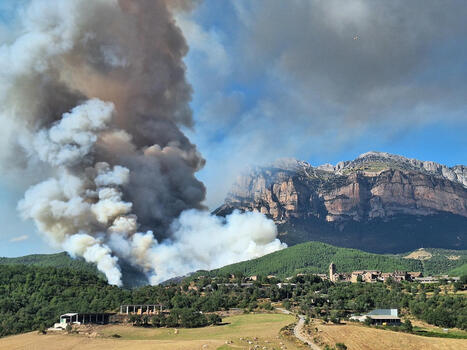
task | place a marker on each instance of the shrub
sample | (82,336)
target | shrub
(69,328)
(42,329)
(407,326)
(214,319)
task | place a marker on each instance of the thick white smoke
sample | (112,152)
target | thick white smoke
(92,97)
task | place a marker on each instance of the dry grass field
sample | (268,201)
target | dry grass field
(420,254)
(259,329)
(358,337)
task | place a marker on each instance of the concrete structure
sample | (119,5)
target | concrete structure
(146,309)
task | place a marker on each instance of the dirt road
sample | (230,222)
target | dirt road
(298,332)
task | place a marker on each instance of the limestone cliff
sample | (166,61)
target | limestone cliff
(375,187)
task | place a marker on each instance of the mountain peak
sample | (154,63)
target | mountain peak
(374,199)
(379,161)
(376,154)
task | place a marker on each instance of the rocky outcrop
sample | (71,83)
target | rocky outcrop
(373,186)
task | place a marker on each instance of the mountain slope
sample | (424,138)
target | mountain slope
(441,261)
(132,276)
(59,260)
(315,257)
(378,202)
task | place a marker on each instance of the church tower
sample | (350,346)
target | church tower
(332,271)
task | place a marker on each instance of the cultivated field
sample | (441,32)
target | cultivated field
(358,337)
(264,327)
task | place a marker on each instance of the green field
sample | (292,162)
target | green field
(249,325)
(438,332)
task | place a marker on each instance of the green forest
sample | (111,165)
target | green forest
(51,260)
(315,257)
(33,297)
(35,290)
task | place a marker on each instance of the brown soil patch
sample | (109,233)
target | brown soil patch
(419,254)
(453,257)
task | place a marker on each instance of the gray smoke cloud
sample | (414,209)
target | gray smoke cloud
(93,97)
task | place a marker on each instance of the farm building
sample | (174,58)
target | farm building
(388,317)
(149,309)
(82,318)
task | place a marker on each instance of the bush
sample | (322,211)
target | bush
(266,306)
(158,320)
(341,346)
(171,320)
(42,329)
(136,320)
(214,319)
(69,328)
(190,318)
(407,326)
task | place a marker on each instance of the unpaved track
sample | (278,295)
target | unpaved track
(298,332)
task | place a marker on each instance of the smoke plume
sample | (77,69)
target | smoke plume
(93,97)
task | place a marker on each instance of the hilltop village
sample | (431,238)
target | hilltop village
(378,276)
(365,276)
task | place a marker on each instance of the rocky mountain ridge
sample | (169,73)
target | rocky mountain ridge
(375,187)
(457,173)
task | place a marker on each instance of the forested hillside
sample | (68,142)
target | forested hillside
(316,256)
(50,260)
(32,296)
(445,261)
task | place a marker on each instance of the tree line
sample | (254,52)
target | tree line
(34,297)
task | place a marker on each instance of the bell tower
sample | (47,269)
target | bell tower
(332,271)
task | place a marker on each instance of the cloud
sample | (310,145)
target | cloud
(19,239)
(315,76)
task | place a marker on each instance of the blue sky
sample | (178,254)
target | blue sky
(317,81)
(288,79)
